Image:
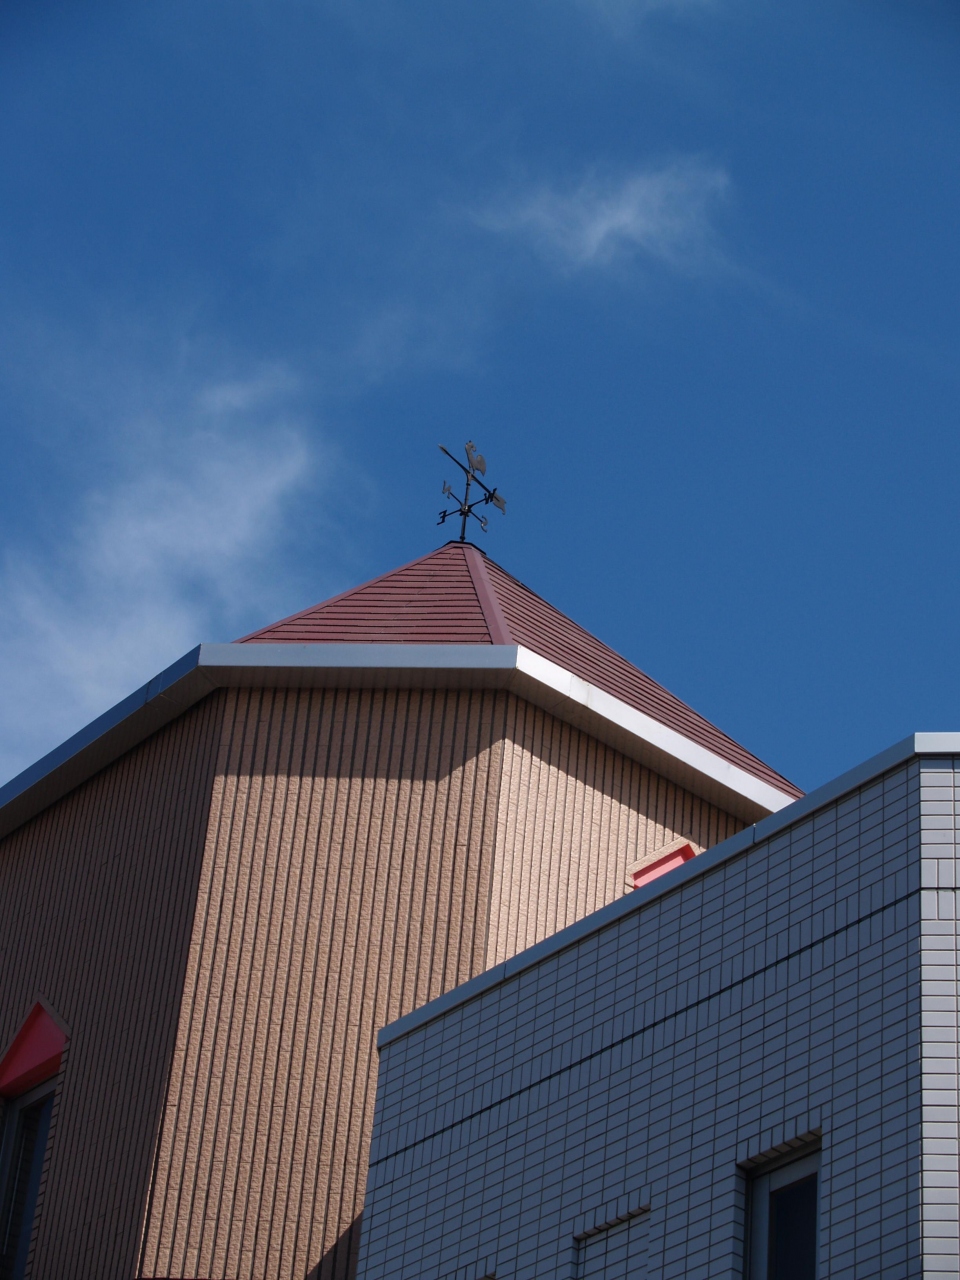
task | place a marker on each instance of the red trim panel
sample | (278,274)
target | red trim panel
(34,1055)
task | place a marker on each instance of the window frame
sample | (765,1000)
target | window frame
(12,1111)
(766,1180)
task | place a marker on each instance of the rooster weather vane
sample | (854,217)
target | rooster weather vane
(475,468)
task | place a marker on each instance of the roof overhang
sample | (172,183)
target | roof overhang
(388,666)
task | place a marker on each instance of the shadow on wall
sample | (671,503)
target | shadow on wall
(403,735)
(340,1261)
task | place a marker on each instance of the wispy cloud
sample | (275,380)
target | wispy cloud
(665,215)
(436,332)
(179,545)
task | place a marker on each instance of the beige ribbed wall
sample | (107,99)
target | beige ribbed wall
(96,911)
(366,851)
(573,815)
(346,881)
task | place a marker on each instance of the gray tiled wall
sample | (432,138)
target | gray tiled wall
(639,1074)
(938,809)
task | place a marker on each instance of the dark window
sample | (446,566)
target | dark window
(784,1221)
(792,1251)
(24,1146)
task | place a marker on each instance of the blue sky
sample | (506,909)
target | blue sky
(686,271)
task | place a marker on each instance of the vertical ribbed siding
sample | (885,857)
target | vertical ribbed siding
(573,815)
(346,881)
(96,908)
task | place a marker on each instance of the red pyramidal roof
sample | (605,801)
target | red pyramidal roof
(455,595)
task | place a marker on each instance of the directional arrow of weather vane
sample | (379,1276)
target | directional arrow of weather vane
(475,468)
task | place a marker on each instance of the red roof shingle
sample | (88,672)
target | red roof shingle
(455,595)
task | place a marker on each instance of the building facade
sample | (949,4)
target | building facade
(748,1068)
(213,898)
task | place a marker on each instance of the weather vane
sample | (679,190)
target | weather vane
(475,468)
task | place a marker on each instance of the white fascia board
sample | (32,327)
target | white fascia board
(659,736)
(213,666)
(936,744)
(226,659)
(391,664)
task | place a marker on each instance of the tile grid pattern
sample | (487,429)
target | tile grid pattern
(939,799)
(773,997)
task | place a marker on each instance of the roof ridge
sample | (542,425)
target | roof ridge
(674,698)
(597,639)
(344,595)
(455,594)
(486,595)
(579,625)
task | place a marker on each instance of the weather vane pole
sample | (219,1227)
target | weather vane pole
(475,468)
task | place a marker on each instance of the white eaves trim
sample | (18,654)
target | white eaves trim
(642,726)
(214,666)
(506,666)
